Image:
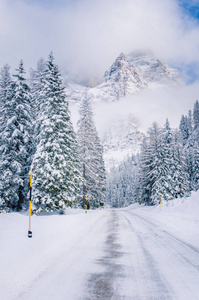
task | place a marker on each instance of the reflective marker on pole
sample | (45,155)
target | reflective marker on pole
(86,206)
(159,201)
(29,231)
(31,179)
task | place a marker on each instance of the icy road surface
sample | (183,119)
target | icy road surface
(105,254)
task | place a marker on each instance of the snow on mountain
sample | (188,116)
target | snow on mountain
(154,72)
(129,74)
(121,79)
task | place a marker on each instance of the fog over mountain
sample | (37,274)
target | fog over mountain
(136,90)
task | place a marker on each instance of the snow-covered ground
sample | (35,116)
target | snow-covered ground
(137,252)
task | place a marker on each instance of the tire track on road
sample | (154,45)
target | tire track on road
(176,260)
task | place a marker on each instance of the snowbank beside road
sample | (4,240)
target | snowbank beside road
(23,260)
(178,216)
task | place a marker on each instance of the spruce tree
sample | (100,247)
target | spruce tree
(144,186)
(189,156)
(159,166)
(6,94)
(55,166)
(184,130)
(190,123)
(196,115)
(37,83)
(93,170)
(195,182)
(16,142)
(179,169)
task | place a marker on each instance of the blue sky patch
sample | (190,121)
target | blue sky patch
(190,7)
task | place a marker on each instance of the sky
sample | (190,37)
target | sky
(87,35)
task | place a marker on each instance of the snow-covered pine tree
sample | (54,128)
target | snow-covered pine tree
(168,143)
(5,82)
(143,187)
(6,94)
(16,142)
(196,115)
(93,170)
(189,153)
(193,126)
(56,165)
(37,83)
(190,123)
(101,172)
(195,181)
(184,130)
(179,168)
(159,175)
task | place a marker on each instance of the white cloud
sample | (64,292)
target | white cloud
(87,35)
(149,106)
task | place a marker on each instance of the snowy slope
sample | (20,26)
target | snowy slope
(133,253)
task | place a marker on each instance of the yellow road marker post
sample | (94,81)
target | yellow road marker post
(86,206)
(160,201)
(29,230)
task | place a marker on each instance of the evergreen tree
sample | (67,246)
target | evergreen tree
(93,170)
(143,189)
(159,175)
(188,152)
(179,169)
(37,83)
(6,93)
(5,82)
(190,123)
(195,181)
(196,115)
(156,164)
(16,142)
(184,130)
(55,165)
(168,144)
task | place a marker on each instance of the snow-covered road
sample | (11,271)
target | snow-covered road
(105,254)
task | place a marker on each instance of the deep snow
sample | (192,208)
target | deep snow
(137,252)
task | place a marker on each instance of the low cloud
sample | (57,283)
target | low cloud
(147,107)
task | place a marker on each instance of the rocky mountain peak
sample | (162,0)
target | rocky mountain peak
(121,79)
(154,71)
